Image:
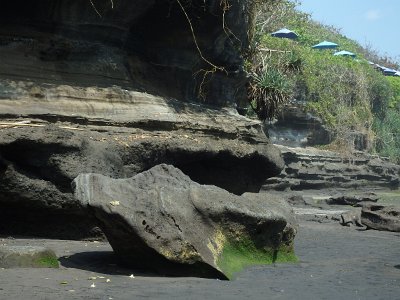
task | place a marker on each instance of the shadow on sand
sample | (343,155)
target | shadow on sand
(104,262)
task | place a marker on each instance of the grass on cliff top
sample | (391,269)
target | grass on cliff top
(349,95)
(239,255)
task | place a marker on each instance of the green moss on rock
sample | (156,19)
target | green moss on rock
(48,261)
(27,257)
(238,255)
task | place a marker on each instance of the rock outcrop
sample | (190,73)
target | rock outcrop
(310,168)
(381,217)
(162,220)
(353,200)
(39,160)
(352,217)
(27,257)
(117,94)
(295,127)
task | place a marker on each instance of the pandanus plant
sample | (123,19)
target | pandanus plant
(268,90)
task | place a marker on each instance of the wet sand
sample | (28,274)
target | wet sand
(335,263)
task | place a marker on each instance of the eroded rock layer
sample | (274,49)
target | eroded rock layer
(310,168)
(189,50)
(39,159)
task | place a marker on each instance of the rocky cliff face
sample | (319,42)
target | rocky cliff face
(143,44)
(295,127)
(117,94)
(313,169)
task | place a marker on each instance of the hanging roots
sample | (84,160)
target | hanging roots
(96,10)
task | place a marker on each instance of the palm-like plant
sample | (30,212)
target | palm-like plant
(268,90)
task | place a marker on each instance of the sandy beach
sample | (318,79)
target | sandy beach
(334,262)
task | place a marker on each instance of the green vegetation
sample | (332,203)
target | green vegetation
(394,101)
(238,255)
(388,125)
(269,89)
(27,257)
(349,95)
(388,135)
(48,261)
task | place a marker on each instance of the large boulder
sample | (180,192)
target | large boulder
(381,217)
(357,200)
(351,217)
(162,220)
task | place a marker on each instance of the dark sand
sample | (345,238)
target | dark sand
(335,263)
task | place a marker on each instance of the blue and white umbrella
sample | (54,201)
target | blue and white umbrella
(388,71)
(285,33)
(382,68)
(344,53)
(325,45)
